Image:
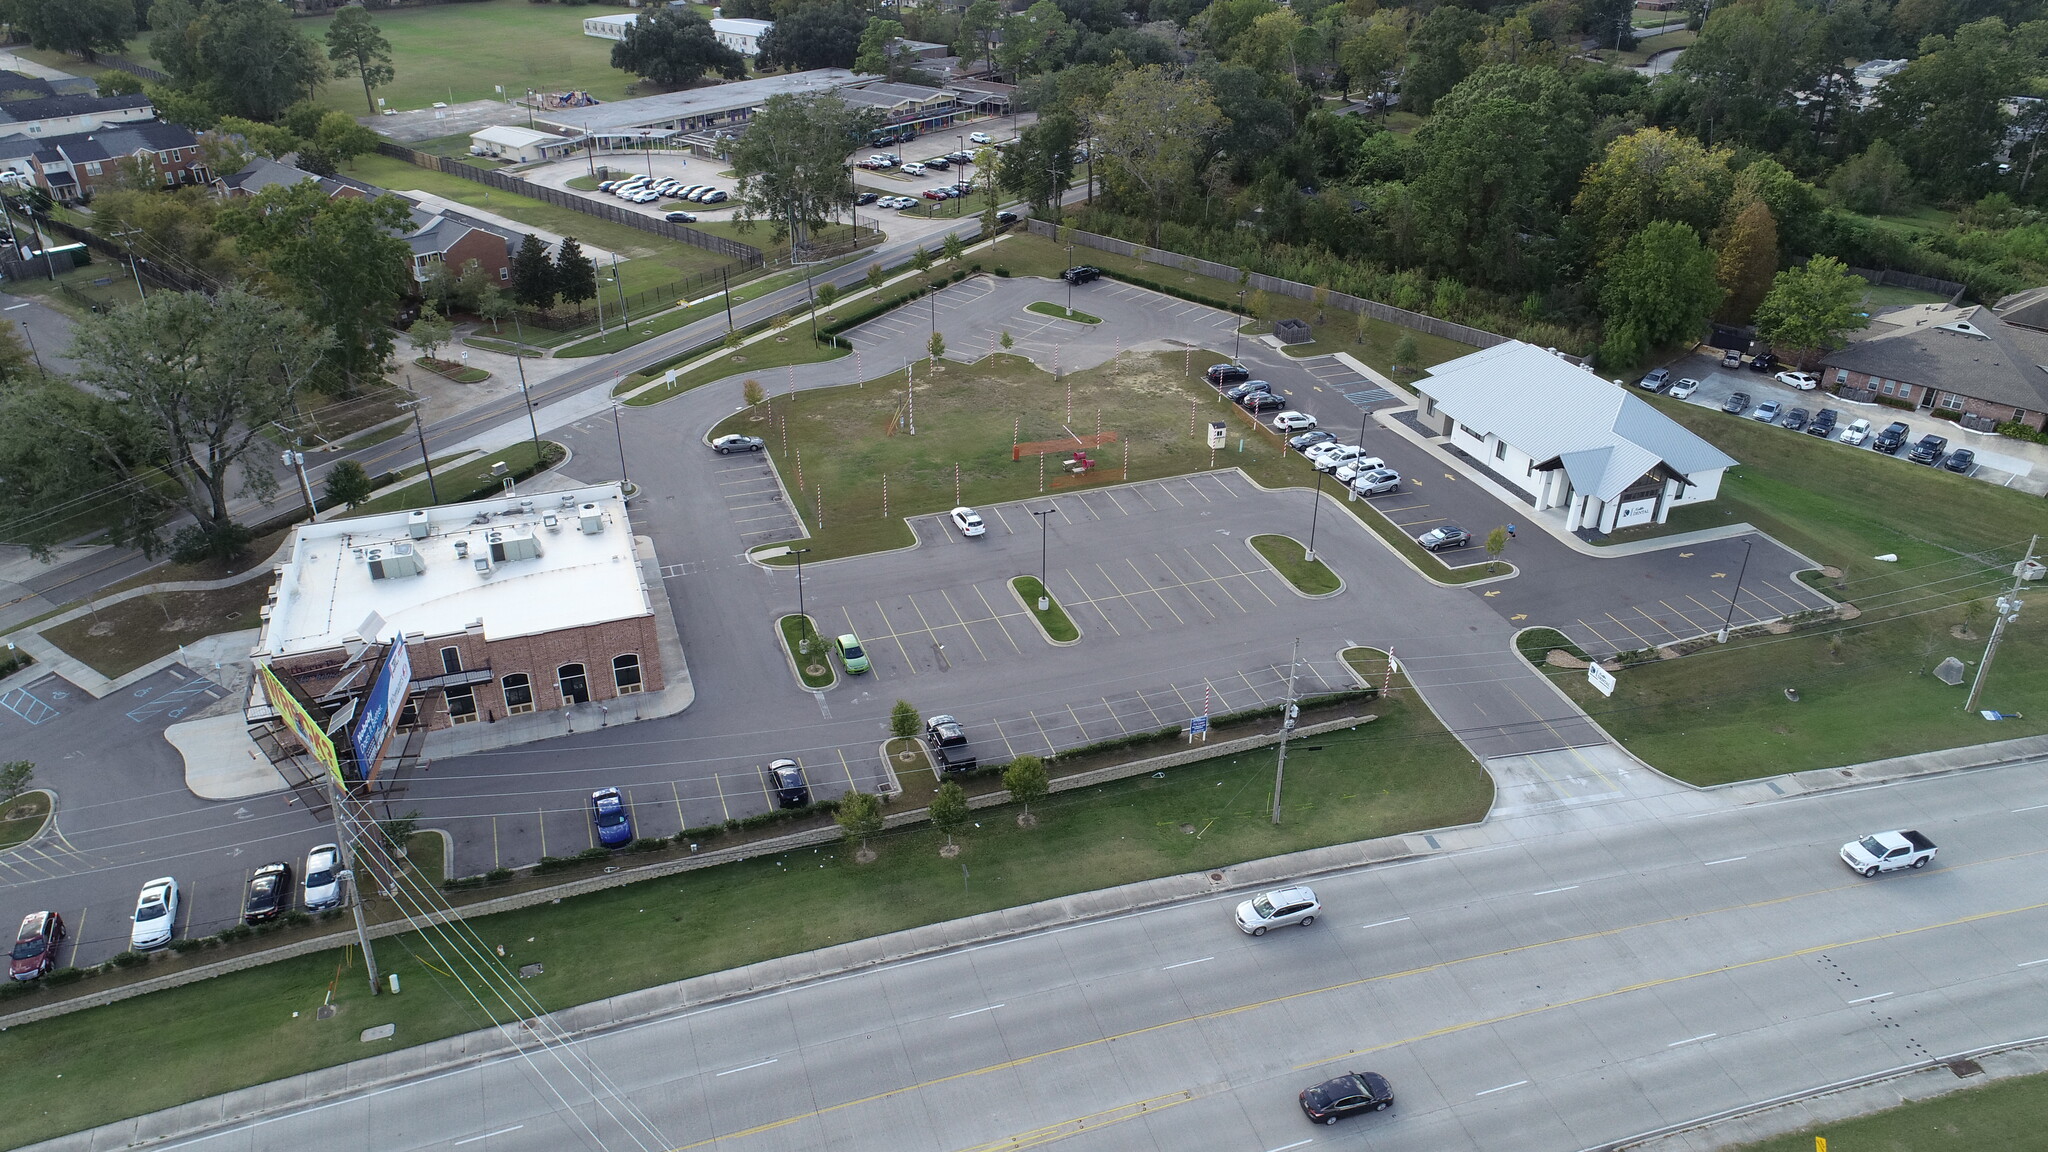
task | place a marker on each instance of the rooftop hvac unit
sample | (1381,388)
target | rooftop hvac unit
(551,522)
(399,561)
(416,524)
(590,519)
(483,565)
(506,547)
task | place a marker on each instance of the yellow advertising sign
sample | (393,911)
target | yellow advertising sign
(301,724)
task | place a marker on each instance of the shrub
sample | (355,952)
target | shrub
(129,959)
(295,918)
(648,844)
(1945,414)
(552,864)
(1002,272)
(65,976)
(14,988)
(594,854)
(497,876)
(236,932)
(2013,429)
(183,946)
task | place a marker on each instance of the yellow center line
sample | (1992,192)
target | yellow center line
(1080,1125)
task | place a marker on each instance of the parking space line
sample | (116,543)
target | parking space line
(1625,628)
(1005,738)
(1211,578)
(761,775)
(1110,709)
(1155,591)
(1124,596)
(1680,613)
(963,624)
(1197,489)
(851,784)
(1721,609)
(1001,519)
(681,820)
(907,661)
(718,784)
(928,629)
(1042,735)
(1796,600)
(1153,712)
(1119,504)
(496,859)
(1077,722)
(1661,626)
(997,617)
(1242,572)
(1184,585)
(1090,601)
(1169,494)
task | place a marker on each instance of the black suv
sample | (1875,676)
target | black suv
(1081,274)
(1262,402)
(1892,438)
(791,789)
(1221,374)
(1929,450)
(1764,362)
(1823,422)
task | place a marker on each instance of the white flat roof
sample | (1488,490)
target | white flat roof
(326,590)
(741,27)
(515,137)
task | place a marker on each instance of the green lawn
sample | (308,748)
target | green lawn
(1891,295)
(792,346)
(1060,312)
(1402,773)
(470,480)
(814,668)
(512,43)
(653,260)
(2008,1114)
(674,318)
(1285,553)
(23,818)
(1054,619)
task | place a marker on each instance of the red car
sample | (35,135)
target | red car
(934,194)
(35,946)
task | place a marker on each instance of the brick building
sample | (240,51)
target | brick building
(70,167)
(435,235)
(507,607)
(1991,364)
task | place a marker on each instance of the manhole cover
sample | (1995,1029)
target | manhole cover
(1965,1068)
(529,971)
(1215,875)
(326,1012)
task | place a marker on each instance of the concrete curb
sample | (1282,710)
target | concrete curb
(1043,633)
(1282,577)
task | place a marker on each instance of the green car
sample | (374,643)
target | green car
(851,654)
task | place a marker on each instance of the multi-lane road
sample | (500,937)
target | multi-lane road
(1547,992)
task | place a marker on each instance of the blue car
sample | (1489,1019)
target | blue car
(608,813)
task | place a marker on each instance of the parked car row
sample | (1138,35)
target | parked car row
(1932,450)
(648,189)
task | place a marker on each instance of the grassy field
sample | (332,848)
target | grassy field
(504,42)
(1647,47)
(1891,295)
(1054,619)
(648,260)
(2008,1114)
(1290,558)
(793,346)
(675,318)
(122,637)
(1402,773)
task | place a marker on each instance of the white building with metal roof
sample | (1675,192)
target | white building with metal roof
(1567,438)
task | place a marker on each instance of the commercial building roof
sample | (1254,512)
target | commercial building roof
(497,563)
(512,136)
(668,108)
(1971,351)
(1604,438)
(742,27)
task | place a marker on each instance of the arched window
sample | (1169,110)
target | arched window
(518,693)
(626,673)
(575,687)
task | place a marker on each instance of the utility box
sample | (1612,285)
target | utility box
(1292,331)
(1219,434)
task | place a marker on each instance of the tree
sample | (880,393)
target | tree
(875,276)
(875,51)
(1369,54)
(1875,183)
(1040,165)
(813,36)
(1653,174)
(1025,780)
(903,721)
(83,27)
(348,483)
(1811,310)
(340,137)
(340,260)
(1038,39)
(533,275)
(1439,46)
(1496,543)
(244,56)
(792,164)
(937,347)
(826,294)
(955,250)
(1151,146)
(397,831)
(14,780)
(978,27)
(859,815)
(358,49)
(1008,341)
(751,393)
(430,333)
(185,386)
(1747,260)
(1658,289)
(949,812)
(1947,110)
(493,304)
(674,47)
(575,276)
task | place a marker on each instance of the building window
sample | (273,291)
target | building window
(451,660)
(462,705)
(574,686)
(2019,414)
(1905,390)
(505,272)
(1841,375)
(92,168)
(1951,401)
(626,673)
(1500,449)
(1470,432)
(1887,386)
(518,694)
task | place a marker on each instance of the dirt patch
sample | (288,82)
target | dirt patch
(950,851)
(1962,632)
(1559,658)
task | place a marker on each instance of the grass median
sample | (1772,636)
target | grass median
(23,818)
(814,667)
(1400,774)
(1053,619)
(2007,1114)
(791,346)
(1290,559)
(1060,312)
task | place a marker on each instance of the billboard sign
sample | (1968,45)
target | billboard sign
(382,705)
(301,724)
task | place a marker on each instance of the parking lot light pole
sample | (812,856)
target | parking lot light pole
(803,622)
(1747,543)
(1312,514)
(1237,339)
(1070,283)
(1044,595)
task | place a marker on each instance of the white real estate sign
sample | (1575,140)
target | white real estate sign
(1600,678)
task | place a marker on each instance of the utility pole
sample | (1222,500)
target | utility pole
(1729,622)
(295,459)
(625,317)
(619,428)
(426,461)
(336,796)
(132,265)
(2009,606)
(530,421)
(1287,715)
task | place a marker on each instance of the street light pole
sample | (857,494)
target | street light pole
(1049,510)
(1747,543)
(37,356)
(1237,340)
(803,622)
(295,459)
(528,396)
(1287,714)
(1312,514)
(1070,283)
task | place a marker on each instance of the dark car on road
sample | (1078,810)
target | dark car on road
(1443,537)
(1262,402)
(608,813)
(270,893)
(1960,461)
(1310,439)
(1795,420)
(1005,219)
(1081,274)
(791,789)
(1244,388)
(1823,423)
(35,946)
(1764,362)
(1219,375)
(1736,403)
(1347,1095)
(865,199)
(1929,450)
(1892,438)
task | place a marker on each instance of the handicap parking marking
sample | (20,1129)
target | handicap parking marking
(29,706)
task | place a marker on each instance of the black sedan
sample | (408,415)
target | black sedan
(1960,461)
(791,789)
(1795,420)
(1736,403)
(865,199)
(1244,388)
(270,893)
(1764,362)
(1823,423)
(1310,439)
(1347,1095)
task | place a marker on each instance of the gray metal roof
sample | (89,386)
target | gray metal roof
(649,111)
(1604,438)
(1970,351)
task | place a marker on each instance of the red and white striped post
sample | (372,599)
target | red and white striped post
(1388,687)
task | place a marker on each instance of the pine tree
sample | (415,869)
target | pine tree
(533,274)
(1747,261)
(575,275)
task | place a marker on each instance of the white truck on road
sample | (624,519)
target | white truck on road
(1888,852)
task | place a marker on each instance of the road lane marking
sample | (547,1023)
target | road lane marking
(1692,1039)
(1296,1144)
(1502,1088)
(1185,963)
(2030,807)
(488,1135)
(1061,1130)
(974,1012)
(2031,963)
(1725,860)
(1384,923)
(745,1067)
(1868,999)
(1553,891)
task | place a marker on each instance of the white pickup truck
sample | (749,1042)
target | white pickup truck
(1888,852)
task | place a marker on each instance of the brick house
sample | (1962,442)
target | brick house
(69,167)
(1986,363)
(506,607)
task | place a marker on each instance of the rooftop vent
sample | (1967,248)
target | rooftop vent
(416,524)
(590,519)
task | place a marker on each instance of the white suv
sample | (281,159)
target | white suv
(1278,909)
(1344,454)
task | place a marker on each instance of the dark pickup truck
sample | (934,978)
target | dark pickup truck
(1892,438)
(949,744)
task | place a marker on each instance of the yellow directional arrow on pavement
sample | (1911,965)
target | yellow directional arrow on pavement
(1495,592)
(1519,616)
(1717,576)
(1448,476)
(1684,555)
